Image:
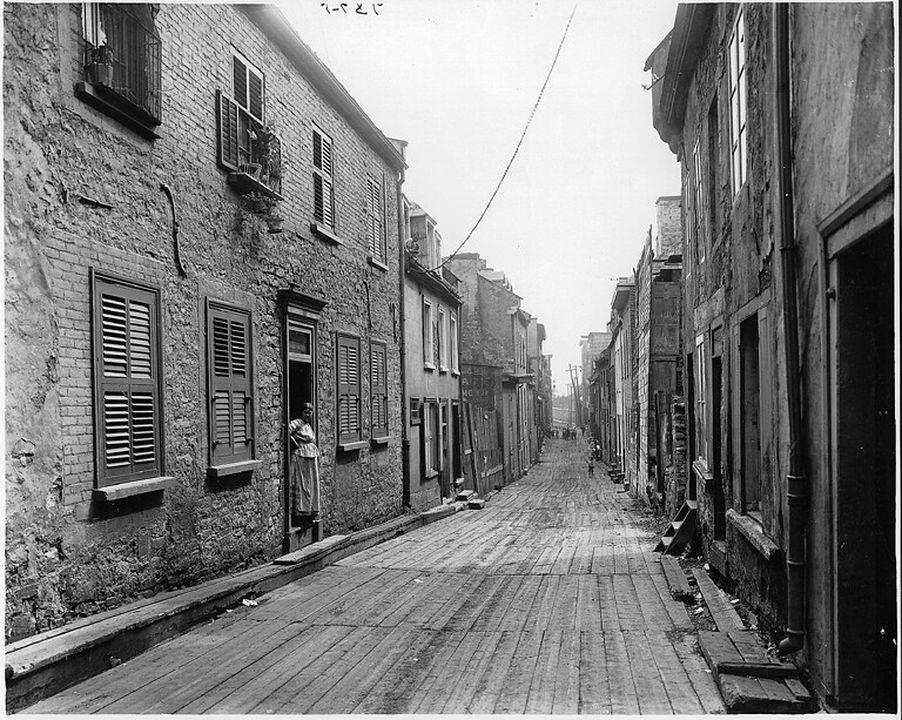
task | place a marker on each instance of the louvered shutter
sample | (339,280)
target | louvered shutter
(375,219)
(126,362)
(229,370)
(378,390)
(323,191)
(239,82)
(227,112)
(255,94)
(348,389)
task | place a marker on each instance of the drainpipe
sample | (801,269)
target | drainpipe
(402,272)
(796,482)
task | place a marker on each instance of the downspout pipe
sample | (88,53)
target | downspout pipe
(796,481)
(402,346)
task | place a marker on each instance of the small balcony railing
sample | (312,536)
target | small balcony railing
(249,149)
(123,54)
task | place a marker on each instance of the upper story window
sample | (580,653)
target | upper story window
(428,336)
(122,63)
(442,341)
(738,95)
(247,146)
(323,184)
(455,360)
(375,219)
(697,206)
(348,351)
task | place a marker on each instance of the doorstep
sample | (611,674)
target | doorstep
(44,664)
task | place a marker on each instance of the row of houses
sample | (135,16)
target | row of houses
(208,246)
(749,375)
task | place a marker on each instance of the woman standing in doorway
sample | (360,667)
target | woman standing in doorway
(304,470)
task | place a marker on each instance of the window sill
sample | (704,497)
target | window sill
(431,474)
(351,446)
(700,467)
(244,184)
(428,366)
(381,441)
(376,263)
(442,369)
(99,98)
(219,471)
(131,489)
(324,232)
(455,373)
(754,533)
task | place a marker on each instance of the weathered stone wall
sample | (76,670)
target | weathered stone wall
(68,555)
(668,216)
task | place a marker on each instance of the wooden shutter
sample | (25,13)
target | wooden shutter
(379,390)
(230,393)
(323,190)
(227,113)
(255,94)
(375,219)
(348,351)
(239,82)
(126,370)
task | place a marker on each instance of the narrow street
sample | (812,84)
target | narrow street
(550,600)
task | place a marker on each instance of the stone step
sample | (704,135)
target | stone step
(476,504)
(464,495)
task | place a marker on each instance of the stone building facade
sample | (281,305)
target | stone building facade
(782,119)
(494,355)
(158,337)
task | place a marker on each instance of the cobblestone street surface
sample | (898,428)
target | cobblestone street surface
(550,600)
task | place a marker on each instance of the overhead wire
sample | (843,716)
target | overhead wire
(516,149)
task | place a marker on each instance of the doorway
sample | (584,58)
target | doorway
(299,388)
(864,457)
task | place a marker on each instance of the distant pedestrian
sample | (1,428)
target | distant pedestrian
(591,462)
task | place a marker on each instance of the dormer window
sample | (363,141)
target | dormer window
(122,63)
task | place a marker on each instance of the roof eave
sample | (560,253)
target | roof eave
(272,22)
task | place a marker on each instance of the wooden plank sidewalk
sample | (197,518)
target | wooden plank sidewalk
(548,600)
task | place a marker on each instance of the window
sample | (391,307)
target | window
(700,364)
(122,62)
(246,145)
(126,381)
(348,351)
(750,415)
(323,190)
(428,342)
(713,157)
(738,158)
(230,393)
(697,203)
(455,360)
(378,390)
(442,341)
(375,219)
(436,252)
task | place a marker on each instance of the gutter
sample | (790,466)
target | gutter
(796,481)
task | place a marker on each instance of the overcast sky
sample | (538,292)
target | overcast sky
(457,80)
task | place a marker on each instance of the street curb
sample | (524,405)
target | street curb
(47,663)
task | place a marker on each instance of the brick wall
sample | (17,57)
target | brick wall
(68,555)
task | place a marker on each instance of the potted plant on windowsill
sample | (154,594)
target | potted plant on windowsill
(273,222)
(99,65)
